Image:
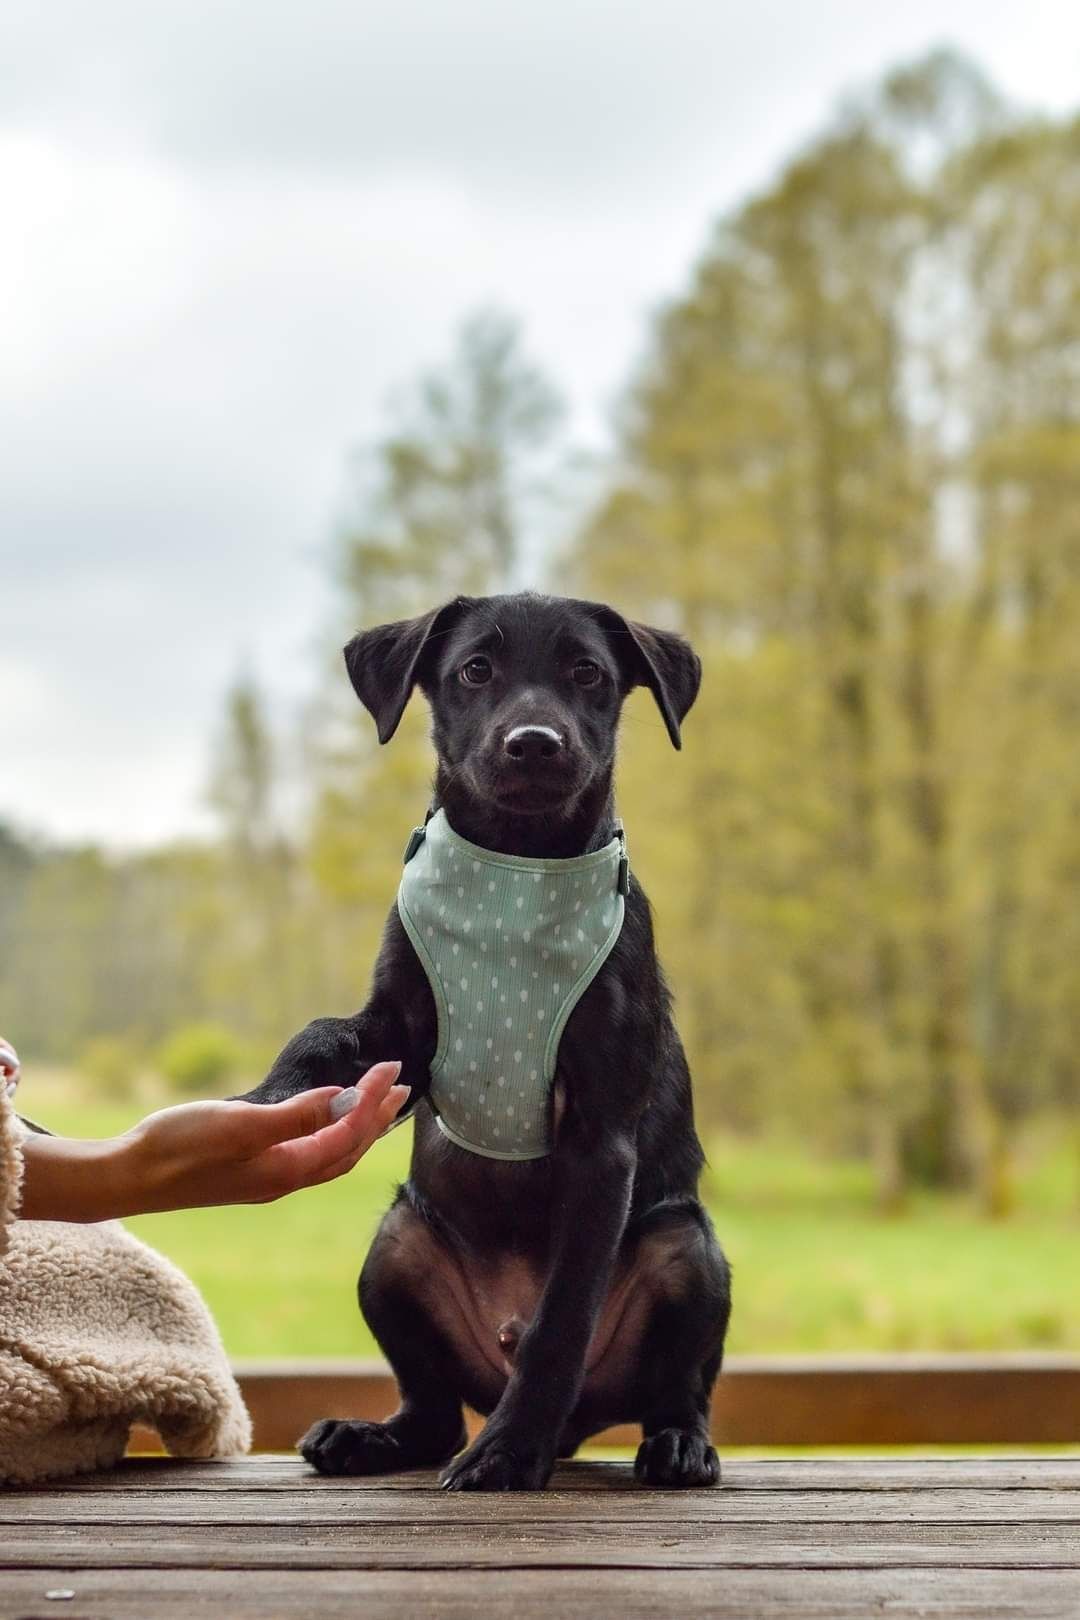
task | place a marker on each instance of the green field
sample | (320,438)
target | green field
(815,1267)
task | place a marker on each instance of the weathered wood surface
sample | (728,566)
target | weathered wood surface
(338,1504)
(917,1400)
(630,1594)
(772,1473)
(825,1537)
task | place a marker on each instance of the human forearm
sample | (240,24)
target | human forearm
(69,1180)
(209,1153)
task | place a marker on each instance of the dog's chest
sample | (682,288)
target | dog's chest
(508,946)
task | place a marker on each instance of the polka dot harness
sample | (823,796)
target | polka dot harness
(509,945)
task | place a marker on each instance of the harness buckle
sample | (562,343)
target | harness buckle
(622,883)
(416,838)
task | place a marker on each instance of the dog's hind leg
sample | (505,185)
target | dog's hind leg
(428,1428)
(681,1351)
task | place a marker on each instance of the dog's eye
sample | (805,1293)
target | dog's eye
(476,671)
(586,673)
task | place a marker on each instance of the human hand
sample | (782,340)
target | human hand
(9,1066)
(247,1153)
(203,1153)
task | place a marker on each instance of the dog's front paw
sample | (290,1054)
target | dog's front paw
(495,1462)
(677,1457)
(352,1448)
(325,1053)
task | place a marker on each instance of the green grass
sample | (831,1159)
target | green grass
(815,1268)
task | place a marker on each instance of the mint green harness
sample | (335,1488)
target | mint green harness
(509,945)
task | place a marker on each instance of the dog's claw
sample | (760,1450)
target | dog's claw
(494,1467)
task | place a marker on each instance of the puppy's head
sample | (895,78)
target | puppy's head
(525,691)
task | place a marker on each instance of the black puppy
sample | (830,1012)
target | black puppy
(562,1293)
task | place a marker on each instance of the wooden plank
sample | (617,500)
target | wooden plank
(995,1538)
(271,1472)
(445,1544)
(343,1504)
(579,1594)
(760,1401)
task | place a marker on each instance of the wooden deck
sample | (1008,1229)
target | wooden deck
(265,1537)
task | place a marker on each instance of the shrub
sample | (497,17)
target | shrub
(199,1059)
(112,1064)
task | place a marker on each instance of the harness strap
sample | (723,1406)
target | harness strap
(418,834)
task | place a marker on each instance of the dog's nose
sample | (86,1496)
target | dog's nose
(531,743)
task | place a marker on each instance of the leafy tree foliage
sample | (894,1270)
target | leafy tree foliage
(849,471)
(848,475)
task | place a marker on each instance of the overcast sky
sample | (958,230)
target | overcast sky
(233,228)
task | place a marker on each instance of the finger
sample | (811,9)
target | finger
(310,1111)
(387,1112)
(340,1168)
(371,1126)
(365,1103)
(304,1161)
(373,1082)
(265,1124)
(351,1160)
(390,1108)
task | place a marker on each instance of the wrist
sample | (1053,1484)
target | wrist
(68,1180)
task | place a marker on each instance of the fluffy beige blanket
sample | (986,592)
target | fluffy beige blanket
(98,1332)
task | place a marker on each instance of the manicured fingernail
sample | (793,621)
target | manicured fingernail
(344,1103)
(404,1091)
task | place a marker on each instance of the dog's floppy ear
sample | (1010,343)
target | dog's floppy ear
(385,663)
(660,660)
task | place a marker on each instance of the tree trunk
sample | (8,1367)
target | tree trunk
(950,1143)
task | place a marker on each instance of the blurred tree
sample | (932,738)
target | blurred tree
(452,502)
(802,457)
(17,861)
(448,499)
(256,961)
(1021,649)
(242,777)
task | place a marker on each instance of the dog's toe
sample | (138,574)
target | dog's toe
(351,1448)
(495,1468)
(678,1458)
